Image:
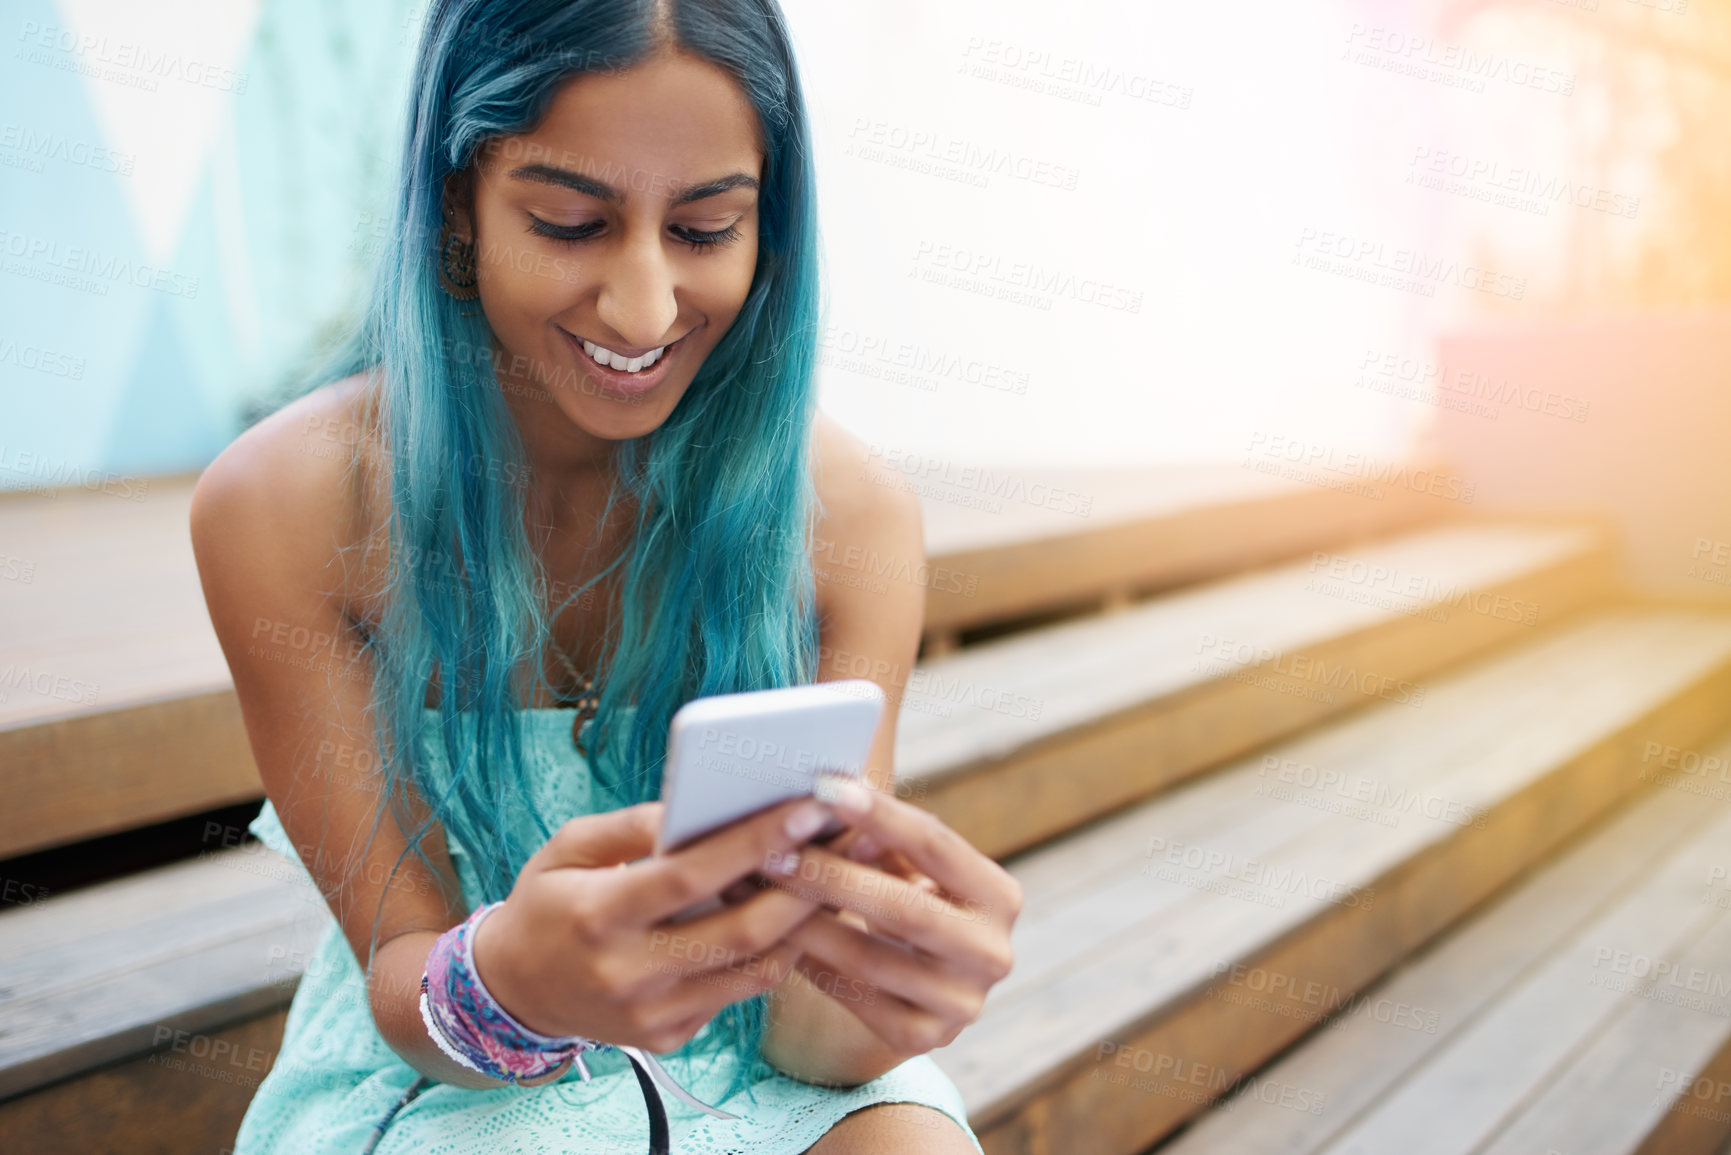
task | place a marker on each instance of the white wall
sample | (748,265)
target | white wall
(1284,205)
(1187,150)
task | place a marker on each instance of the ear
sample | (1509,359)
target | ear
(457,204)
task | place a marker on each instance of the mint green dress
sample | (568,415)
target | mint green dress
(335,1081)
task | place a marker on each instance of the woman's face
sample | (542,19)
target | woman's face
(624,225)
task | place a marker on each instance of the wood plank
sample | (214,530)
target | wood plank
(1488,1073)
(97,772)
(139,907)
(112,614)
(1372,1040)
(1016,741)
(1112,961)
(80,639)
(98,975)
(245,872)
(1085,886)
(93,770)
(1415,910)
(1237,624)
(115,706)
(1654,1080)
(1144,529)
(1623,645)
(166,1103)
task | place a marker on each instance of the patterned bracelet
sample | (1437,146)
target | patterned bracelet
(470,1026)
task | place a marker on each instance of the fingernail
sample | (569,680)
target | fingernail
(852,798)
(806,821)
(784,863)
(864,849)
(826,784)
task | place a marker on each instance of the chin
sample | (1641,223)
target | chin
(617,418)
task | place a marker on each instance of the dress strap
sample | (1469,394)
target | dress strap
(415,1088)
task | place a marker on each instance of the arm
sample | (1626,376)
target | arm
(267,518)
(868,550)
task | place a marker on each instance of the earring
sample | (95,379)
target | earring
(457,274)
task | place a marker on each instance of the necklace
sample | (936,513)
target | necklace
(586,699)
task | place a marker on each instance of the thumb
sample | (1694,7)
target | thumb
(609,839)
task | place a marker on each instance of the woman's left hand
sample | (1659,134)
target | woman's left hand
(929,936)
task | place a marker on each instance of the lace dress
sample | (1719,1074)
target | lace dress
(336,1082)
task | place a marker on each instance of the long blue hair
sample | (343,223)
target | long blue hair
(716,590)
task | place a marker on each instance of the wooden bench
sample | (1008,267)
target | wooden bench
(139,723)
(1124,1016)
(105,972)
(1555,567)
(1111,961)
(1135,701)
(1144,530)
(1017,740)
(1588,1009)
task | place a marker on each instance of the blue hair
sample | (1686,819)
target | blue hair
(717,588)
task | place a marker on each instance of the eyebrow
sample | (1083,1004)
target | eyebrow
(549,174)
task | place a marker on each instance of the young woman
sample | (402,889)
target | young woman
(567,476)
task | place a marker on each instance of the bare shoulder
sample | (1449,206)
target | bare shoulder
(282,500)
(870,535)
(858,492)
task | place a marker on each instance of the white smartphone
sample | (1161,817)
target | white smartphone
(731,755)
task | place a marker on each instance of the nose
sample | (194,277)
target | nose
(636,299)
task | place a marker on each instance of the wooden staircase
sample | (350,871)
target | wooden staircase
(1586,1010)
(1292,780)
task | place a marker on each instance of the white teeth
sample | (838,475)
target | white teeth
(626,365)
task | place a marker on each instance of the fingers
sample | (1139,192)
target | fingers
(653,891)
(741,891)
(904,1027)
(707,993)
(729,938)
(679,1012)
(901,971)
(606,839)
(932,848)
(864,849)
(894,906)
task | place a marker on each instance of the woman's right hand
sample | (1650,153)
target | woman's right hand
(581,945)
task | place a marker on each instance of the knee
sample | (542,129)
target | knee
(894,1129)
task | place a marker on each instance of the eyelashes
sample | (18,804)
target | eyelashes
(697,240)
(700,239)
(573,233)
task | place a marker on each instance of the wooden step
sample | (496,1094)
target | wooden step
(1325,859)
(189,1096)
(1027,539)
(1543,568)
(194,946)
(116,708)
(115,703)
(112,970)
(1542,1023)
(1018,740)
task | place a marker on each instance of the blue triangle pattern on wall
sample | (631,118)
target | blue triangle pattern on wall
(161,424)
(275,243)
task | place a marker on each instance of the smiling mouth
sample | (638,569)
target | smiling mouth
(602,355)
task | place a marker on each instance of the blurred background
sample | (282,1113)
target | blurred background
(1101,233)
